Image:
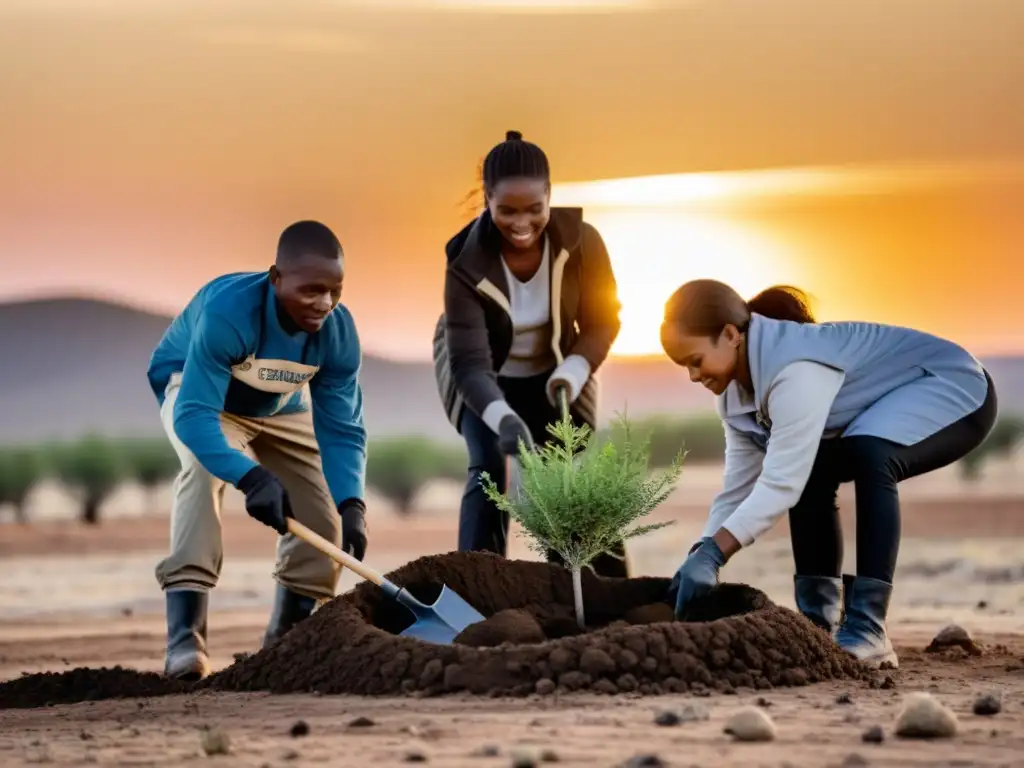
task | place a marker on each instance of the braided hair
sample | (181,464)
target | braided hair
(514,158)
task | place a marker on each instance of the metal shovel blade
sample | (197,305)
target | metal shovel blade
(441,621)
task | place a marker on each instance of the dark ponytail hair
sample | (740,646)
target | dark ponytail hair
(513,158)
(705,307)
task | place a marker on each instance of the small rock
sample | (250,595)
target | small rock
(924,717)
(289,755)
(85,736)
(361,722)
(982,605)
(544,686)
(644,761)
(750,724)
(853,760)
(549,756)
(987,705)
(666,717)
(763,702)
(214,741)
(488,750)
(888,684)
(415,756)
(299,728)
(953,636)
(873,735)
(844,698)
(524,758)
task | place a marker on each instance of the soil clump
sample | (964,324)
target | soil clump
(734,637)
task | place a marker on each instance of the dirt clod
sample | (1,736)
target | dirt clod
(415,756)
(299,728)
(362,722)
(732,638)
(873,735)
(509,626)
(987,705)
(644,761)
(954,636)
(666,718)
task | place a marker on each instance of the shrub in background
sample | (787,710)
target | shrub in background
(397,468)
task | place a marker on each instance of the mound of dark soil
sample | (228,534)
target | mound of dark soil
(529,643)
(85,684)
(734,637)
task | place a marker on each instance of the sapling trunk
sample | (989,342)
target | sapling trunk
(577,591)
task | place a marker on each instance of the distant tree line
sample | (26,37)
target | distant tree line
(398,468)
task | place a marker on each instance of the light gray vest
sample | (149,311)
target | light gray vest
(901,385)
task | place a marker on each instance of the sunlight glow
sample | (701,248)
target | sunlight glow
(656,244)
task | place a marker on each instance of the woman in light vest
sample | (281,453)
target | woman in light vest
(807,406)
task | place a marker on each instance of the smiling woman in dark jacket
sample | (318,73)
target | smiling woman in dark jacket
(531,306)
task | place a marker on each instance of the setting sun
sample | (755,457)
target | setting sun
(654,249)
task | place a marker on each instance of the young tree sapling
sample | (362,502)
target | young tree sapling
(579,497)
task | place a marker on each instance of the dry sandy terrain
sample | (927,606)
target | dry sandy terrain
(72,597)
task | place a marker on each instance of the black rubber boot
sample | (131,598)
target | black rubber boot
(289,609)
(186,657)
(862,631)
(820,599)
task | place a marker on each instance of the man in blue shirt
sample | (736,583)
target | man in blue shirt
(265,362)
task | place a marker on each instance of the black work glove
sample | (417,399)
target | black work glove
(512,429)
(353,527)
(696,576)
(266,499)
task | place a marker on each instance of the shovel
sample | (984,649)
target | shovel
(437,623)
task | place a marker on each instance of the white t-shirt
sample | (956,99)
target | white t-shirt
(530,302)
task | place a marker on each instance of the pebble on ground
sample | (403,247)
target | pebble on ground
(750,724)
(925,717)
(214,741)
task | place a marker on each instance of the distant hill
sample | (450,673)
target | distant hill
(75,365)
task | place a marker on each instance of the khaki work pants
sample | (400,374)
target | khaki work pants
(286,446)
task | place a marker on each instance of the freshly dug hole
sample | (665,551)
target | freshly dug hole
(734,637)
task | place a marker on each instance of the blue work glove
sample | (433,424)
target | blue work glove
(696,576)
(353,527)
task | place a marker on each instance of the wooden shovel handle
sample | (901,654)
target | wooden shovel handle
(341,557)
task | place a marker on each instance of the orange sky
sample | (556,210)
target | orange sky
(147,147)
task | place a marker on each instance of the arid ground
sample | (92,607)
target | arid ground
(72,596)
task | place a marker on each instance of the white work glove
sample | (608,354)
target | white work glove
(571,375)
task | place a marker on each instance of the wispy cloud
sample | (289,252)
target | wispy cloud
(685,189)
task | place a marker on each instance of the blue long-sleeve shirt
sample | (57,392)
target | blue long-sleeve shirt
(232,354)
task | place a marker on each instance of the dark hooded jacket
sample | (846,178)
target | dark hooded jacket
(473,337)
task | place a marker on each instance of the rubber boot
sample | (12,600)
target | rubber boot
(186,657)
(820,599)
(862,632)
(289,609)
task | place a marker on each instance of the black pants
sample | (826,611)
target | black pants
(484,527)
(874,466)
